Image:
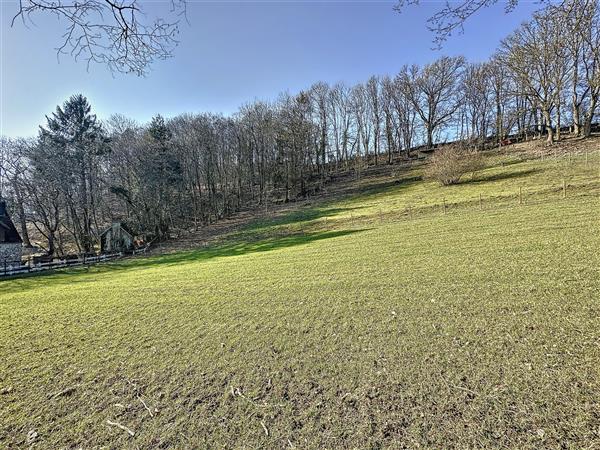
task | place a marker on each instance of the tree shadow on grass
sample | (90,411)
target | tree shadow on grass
(325,207)
(390,185)
(238,248)
(296,217)
(483,178)
(228,249)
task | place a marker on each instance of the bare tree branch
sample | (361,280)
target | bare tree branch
(114,33)
(453,15)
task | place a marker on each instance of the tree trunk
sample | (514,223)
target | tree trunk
(23,225)
(537,124)
(548,123)
(558,122)
(51,247)
(22,218)
(589,117)
(390,138)
(576,121)
(429,136)
(376,145)
(575,100)
(499,131)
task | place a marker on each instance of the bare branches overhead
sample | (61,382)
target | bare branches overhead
(452,16)
(119,34)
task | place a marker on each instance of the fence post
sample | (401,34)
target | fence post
(520,195)
(564,188)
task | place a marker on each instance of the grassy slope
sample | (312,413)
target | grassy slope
(475,328)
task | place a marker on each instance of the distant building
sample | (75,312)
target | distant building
(11,244)
(117,238)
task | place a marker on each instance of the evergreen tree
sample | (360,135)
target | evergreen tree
(163,176)
(73,141)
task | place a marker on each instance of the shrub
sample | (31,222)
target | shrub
(448,164)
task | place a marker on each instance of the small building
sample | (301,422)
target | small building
(117,238)
(11,244)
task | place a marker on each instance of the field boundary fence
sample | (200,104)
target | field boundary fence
(521,195)
(9,270)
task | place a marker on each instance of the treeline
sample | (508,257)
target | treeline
(190,170)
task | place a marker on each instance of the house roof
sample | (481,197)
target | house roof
(11,235)
(123,226)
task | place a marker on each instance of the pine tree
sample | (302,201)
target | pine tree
(73,139)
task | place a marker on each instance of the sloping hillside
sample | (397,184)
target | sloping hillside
(532,170)
(370,317)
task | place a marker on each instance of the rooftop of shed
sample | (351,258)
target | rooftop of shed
(8,231)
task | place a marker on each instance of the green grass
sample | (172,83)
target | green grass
(478,328)
(391,195)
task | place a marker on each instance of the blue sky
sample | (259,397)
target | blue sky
(232,53)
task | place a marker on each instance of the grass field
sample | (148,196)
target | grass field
(343,325)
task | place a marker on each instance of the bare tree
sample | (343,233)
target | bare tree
(405,116)
(575,18)
(341,119)
(433,92)
(591,67)
(364,127)
(13,170)
(319,93)
(499,82)
(530,54)
(115,33)
(373,93)
(477,89)
(387,105)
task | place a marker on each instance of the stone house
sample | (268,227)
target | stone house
(11,244)
(117,238)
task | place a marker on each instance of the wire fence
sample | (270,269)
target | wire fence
(563,188)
